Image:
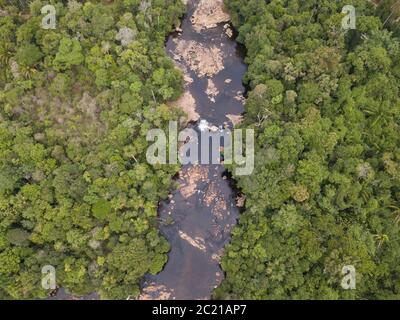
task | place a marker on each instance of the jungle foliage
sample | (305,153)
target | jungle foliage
(325,192)
(76,102)
(389,11)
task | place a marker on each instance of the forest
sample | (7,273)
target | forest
(325,192)
(75,105)
(77,101)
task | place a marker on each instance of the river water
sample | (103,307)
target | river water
(198,217)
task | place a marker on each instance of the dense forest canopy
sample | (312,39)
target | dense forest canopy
(77,101)
(389,11)
(75,106)
(325,192)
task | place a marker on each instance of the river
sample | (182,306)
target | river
(198,217)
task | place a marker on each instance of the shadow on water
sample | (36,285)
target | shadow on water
(197,219)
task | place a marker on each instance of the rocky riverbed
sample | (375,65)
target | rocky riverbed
(198,217)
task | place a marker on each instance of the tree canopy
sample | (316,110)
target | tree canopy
(325,192)
(76,102)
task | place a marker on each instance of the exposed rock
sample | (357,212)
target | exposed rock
(214,128)
(205,126)
(187,78)
(187,103)
(240,201)
(228,30)
(217,257)
(235,119)
(186,75)
(197,242)
(239,97)
(212,90)
(154,292)
(219,210)
(208,14)
(204,61)
(210,194)
(192,176)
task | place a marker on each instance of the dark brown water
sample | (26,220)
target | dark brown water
(198,218)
